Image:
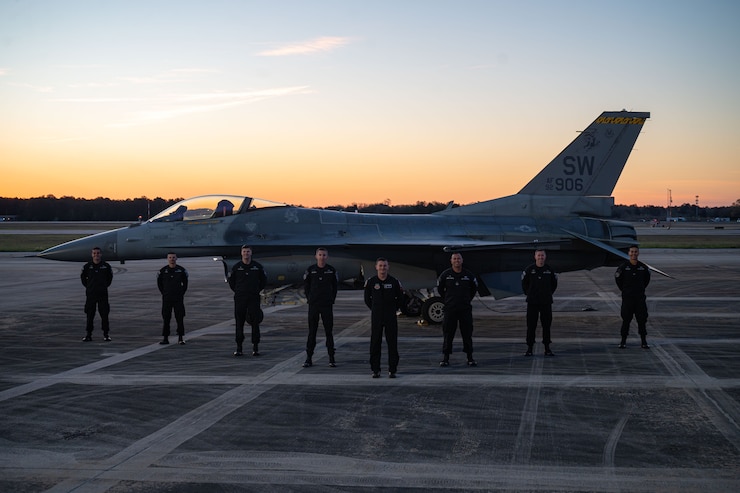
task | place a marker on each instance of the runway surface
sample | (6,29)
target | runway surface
(132,415)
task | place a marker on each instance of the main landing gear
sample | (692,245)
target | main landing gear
(430,308)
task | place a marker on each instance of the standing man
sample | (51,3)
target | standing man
(320,283)
(539,282)
(384,296)
(96,276)
(247,279)
(632,278)
(457,287)
(172,282)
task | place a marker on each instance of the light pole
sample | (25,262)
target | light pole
(697,207)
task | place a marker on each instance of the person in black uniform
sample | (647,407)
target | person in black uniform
(320,284)
(457,287)
(539,282)
(632,278)
(172,282)
(384,296)
(96,276)
(247,279)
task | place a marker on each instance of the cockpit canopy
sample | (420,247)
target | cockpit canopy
(211,206)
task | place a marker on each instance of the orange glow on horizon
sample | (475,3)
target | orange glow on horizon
(321,178)
(318,174)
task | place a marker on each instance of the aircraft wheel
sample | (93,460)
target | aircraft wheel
(411,306)
(433,310)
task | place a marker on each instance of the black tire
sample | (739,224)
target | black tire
(432,310)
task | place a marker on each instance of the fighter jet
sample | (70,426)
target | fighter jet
(565,209)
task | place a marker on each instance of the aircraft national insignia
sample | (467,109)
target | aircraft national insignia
(291,216)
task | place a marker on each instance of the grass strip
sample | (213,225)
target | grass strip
(33,243)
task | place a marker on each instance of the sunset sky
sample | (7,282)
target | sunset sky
(337,102)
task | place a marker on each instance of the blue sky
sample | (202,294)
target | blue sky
(334,102)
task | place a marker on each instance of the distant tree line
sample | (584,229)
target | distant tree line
(688,212)
(50,208)
(386,208)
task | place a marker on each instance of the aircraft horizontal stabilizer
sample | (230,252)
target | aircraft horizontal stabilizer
(612,250)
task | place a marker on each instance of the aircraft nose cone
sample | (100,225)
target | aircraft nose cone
(80,250)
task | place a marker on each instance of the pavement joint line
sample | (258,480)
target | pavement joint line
(679,377)
(153,447)
(525,435)
(149,449)
(48,380)
(614,296)
(721,409)
(611,299)
(160,443)
(413,378)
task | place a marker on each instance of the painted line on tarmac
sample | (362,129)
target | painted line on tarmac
(140,455)
(48,380)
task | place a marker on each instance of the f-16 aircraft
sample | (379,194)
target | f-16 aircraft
(565,209)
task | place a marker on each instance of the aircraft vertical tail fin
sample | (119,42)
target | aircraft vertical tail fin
(593,162)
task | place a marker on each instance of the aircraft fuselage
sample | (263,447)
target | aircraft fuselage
(418,246)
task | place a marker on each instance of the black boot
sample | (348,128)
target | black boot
(238,351)
(529,351)
(547,350)
(332,362)
(255,351)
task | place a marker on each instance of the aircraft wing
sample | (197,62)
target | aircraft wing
(504,244)
(612,250)
(446,246)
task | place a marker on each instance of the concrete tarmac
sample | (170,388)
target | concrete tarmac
(133,415)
